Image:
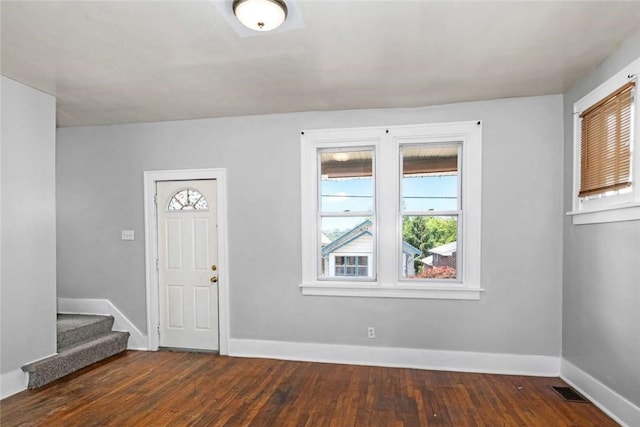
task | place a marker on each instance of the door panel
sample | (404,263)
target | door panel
(174,243)
(187,250)
(203,309)
(175,307)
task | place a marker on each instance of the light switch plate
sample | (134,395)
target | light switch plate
(128,235)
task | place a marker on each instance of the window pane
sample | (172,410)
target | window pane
(187,200)
(429,247)
(346,181)
(346,246)
(429,178)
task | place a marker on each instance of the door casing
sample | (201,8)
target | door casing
(151,248)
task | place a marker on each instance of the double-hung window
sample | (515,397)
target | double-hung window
(431,210)
(606,170)
(392,211)
(346,212)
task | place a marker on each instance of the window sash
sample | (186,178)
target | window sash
(434,213)
(368,166)
(459,251)
(444,167)
(605,143)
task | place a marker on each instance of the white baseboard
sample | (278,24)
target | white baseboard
(462,361)
(616,406)
(13,382)
(137,340)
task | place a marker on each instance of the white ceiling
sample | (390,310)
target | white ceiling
(132,61)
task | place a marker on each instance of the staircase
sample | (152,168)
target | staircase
(82,341)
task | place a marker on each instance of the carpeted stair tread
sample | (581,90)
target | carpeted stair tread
(75,358)
(74,329)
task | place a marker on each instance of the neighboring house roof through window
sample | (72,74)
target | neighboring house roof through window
(447,250)
(410,249)
(355,233)
(349,236)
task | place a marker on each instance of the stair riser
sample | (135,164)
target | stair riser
(75,336)
(64,364)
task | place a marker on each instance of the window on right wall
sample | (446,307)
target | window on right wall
(606,181)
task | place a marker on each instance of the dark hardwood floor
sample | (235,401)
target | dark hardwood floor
(166,388)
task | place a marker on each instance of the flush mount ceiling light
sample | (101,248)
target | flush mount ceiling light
(260,15)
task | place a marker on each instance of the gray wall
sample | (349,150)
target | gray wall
(100,192)
(601,275)
(27,285)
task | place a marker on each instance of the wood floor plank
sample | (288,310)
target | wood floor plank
(190,389)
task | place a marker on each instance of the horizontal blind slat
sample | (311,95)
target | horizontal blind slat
(605,143)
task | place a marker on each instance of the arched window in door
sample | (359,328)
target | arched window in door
(188,199)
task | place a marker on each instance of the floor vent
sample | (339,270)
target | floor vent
(569,394)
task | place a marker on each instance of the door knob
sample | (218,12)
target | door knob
(214,279)
(214,267)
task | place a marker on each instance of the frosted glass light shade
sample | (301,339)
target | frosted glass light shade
(260,15)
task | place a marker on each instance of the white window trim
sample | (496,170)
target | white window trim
(387,141)
(623,207)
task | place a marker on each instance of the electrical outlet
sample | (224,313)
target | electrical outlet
(371,332)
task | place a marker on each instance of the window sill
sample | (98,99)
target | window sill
(377,291)
(627,212)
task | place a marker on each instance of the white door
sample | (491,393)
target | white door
(187,264)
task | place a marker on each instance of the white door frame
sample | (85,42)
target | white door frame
(151,248)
